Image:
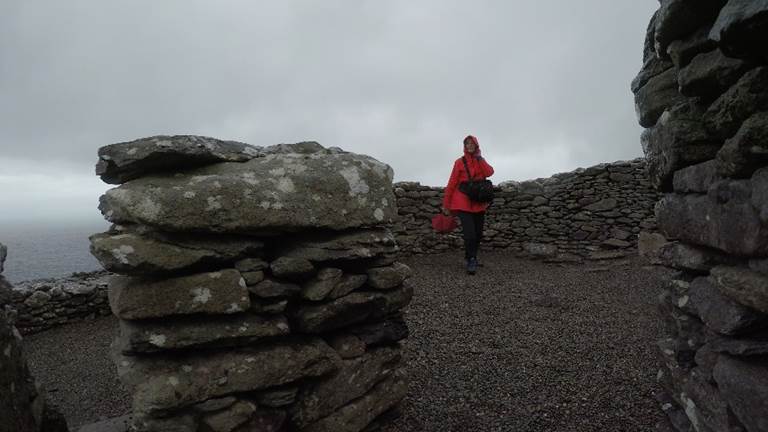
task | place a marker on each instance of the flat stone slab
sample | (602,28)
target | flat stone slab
(223,292)
(135,253)
(346,246)
(121,162)
(162,383)
(275,193)
(184,332)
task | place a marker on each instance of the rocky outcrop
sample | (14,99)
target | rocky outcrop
(22,403)
(707,152)
(239,271)
(588,213)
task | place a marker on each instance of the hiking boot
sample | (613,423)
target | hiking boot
(472,266)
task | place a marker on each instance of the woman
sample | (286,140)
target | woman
(471,213)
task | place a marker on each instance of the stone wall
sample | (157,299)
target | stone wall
(22,403)
(703,96)
(42,304)
(595,212)
(257,288)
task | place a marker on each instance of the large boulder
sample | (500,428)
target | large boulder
(721,313)
(679,139)
(159,383)
(677,19)
(119,163)
(744,384)
(748,96)
(275,193)
(742,29)
(658,94)
(696,178)
(649,50)
(652,67)
(709,74)
(682,51)
(709,408)
(745,286)
(724,219)
(692,258)
(147,253)
(223,292)
(746,151)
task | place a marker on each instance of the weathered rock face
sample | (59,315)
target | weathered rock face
(707,151)
(239,269)
(22,404)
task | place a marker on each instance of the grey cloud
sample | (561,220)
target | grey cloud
(544,85)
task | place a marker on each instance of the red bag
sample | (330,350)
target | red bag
(444,224)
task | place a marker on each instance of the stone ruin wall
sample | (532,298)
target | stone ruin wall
(23,407)
(702,94)
(39,305)
(284,315)
(596,212)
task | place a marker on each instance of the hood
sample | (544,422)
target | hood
(477,144)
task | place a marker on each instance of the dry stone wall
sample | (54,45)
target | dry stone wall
(22,403)
(39,305)
(703,96)
(257,288)
(595,212)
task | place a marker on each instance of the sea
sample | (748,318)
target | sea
(38,250)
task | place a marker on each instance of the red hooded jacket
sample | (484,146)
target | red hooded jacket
(454,199)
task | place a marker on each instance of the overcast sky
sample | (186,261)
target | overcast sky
(544,85)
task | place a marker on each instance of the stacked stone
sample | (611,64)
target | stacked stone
(42,304)
(595,212)
(258,289)
(703,96)
(22,403)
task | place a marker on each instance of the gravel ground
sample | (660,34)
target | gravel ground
(73,365)
(529,346)
(521,346)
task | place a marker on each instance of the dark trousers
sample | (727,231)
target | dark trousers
(472,227)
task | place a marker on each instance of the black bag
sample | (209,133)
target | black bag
(476,190)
